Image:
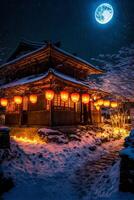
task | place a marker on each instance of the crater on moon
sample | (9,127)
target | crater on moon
(104,13)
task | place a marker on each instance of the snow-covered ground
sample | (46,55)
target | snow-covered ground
(45,171)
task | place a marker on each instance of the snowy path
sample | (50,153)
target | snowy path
(88,179)
(56,187)
(47,172)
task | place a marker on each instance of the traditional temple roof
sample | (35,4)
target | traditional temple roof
(35,78)
(41,52)
(23,48)
(51,73)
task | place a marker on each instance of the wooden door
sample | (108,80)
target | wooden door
(24,113)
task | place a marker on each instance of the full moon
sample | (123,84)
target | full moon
(104,13)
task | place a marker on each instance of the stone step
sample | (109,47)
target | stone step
(91,171)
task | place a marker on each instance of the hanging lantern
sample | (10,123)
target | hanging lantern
(49,94)
(95,103)
(64,96)
(18,100)
(114,104)
(85,98)
(106,103)
(97,108)
(75,97)
(4,102)
(33,98)
(100,102)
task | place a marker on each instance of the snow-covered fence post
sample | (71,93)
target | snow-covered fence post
(127,165)
(4,138)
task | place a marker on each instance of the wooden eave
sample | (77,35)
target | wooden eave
(47,81)
(68,58)
(44,53)
(22,47)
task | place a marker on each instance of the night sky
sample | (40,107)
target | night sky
(70,21)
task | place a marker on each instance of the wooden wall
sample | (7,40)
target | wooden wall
(65,118)
(38,118)
(42,118)
(12,119)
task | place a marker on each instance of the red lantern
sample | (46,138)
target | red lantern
(114,104)
(75,97)
(4,102)
(97,108)
(85,98)
(106,103)
(18,100)
(49,94)
(95,103)
(100,102)
(33,98)
(64,96)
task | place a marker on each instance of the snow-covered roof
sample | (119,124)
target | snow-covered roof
(44,46)
(23,48)
(77,58)
(35,78)
(22,57)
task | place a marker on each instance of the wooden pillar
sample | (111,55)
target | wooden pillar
(51,110)
(90,112)
(81,112)
(20,114)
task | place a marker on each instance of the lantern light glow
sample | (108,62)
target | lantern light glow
(100,102)
(95,103)
(75,97)
(49,94)
(106,103)
(85,98)
(64,96)
(18,100)
(4,102)
(114,104)
(33,98)
(97,107)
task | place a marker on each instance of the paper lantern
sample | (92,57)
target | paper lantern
(95,103)
(49,94)
(114,104)
(33,98)
(4,102)
(75,97)
(106,103)
(85,98)
(100,102)
(64,96)
(97,108)
(18,100)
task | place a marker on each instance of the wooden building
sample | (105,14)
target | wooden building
(42,85)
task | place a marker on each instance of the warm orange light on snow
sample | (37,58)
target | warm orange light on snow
(28,140)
